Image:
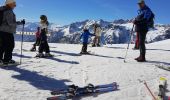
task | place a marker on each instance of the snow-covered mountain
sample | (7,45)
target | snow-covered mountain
(114,32)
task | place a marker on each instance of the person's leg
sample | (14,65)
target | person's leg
(85,47)
(142,37)
(38,41)
(98,40)
(40,50)
(137,41)
(94,41)
(9,47)
(82,50)
(1,45)
(46,47)
(41,47)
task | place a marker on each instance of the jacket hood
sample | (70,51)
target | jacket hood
(2,8)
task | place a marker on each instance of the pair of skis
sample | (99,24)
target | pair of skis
(164,67)
(75,91)
(162,90)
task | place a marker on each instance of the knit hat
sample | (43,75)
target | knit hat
(141,1)
(9,1)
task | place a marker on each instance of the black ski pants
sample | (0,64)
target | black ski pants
(7,45)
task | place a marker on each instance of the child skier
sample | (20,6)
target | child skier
(97,32)
(43,38)
(37,43)
(85,37)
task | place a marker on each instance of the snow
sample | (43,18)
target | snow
(34,79)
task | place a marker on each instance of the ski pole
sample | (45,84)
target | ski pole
(150,91)
(129,43)
(22,39)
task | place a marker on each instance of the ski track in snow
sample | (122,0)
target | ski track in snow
(37,77)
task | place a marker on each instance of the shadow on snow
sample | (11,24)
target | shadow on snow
(38,81)
(18,55)
(158,49)
(66,53)
(63,61)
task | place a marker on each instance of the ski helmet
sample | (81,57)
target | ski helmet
(43,17)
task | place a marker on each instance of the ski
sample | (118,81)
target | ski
(164,67)
(45,56)
(75,91)
(63,91)
(162,88)
(10,65)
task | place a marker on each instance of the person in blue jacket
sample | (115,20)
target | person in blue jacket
(85,39)
(141,27)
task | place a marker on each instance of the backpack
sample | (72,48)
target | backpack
(2,15)
(151,21)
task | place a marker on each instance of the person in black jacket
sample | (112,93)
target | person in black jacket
(141,22)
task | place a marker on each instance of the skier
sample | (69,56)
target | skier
(37,43)
(97,32)
(85,37)
(8,25)
(142,25)
(136,42)
(43,38)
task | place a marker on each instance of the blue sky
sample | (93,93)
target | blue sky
(66,11)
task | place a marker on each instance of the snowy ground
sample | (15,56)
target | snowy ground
(36,77)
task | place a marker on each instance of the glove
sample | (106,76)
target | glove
(23,21)
(134,22)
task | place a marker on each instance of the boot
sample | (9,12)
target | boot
(40,55)
(1,61)
(93,45)
(141,59)
(33,49)
(48,55)
(98,45)
(137,58)
(9,62)
(84,52)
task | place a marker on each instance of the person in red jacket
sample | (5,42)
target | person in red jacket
(37,43)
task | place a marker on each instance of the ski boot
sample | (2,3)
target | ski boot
(40,55)
(93,45)
(90,88)
(141,59)
(9,62)
(1,62)
(71,91)
(48,55)
(85,53)
(33,49)
(98,45)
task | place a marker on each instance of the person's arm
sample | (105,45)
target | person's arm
(143,17)
(22,22)
(81,36)
(91,34)
(10,19)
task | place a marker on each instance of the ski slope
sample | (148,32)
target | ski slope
(34,79)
